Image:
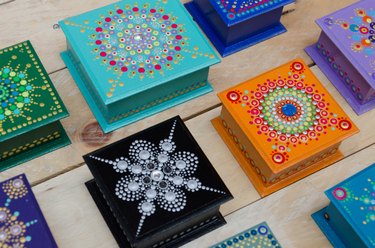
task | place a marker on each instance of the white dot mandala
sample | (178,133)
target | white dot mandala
(156,175)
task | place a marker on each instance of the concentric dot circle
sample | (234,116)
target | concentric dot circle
(289,110)
(345,125)
(17,183)
(3,235)
(157,175)
(122,165)
(233,96)
(16,230)
(263,230)
(340,194)
(278,158)
(298,66)
(3,216)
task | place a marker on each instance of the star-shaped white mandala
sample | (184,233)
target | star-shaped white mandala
(156,175)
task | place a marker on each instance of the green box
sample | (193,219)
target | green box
(30,108)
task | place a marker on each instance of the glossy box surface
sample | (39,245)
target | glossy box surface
(135,58)
(161,188)
(346,53)
(30,107)
(235,25)
(21,221)
(282,126)
(349,220)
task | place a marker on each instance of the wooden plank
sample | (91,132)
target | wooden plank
(39,17)
(288,211)
(76,222)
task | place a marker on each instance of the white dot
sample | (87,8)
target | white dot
(122,165)
(151,193)
(192,184)
(133,186)
(144,154)
(167,146)
(178,180)
(163,158)
(146,207)
(3,235)
(136,169)
(3,216)
(170,196)
(157,175)
(17,183)
(180,164)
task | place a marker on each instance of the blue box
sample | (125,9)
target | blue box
(349,220)
(237,24)
(136,58)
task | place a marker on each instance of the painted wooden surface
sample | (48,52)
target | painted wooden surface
(59,176)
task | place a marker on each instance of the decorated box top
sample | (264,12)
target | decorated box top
(28,98)
(155,178)
(259,236)
(21,221)
(235,11)
(355,199)
(353,31)
(287,114)
(131,46)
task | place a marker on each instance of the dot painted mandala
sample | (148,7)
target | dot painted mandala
(156,175)
(15,93)
(139,40)
(362,30)
(289,111)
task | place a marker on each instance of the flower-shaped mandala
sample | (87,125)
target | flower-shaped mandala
(156,175)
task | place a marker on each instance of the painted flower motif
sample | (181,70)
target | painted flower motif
(156,175)
(235,8)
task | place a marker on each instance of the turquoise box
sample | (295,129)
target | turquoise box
(349,220)
(133,59)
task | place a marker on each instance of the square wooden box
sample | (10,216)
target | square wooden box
(282,126)
(133,59)
(349,219)
(345,52)
(237,24)
(30,108)
(157,188)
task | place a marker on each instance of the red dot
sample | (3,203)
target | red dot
(120,11)
(178,37)
(141,70)
(152,10)
(135,9)
(177,48)
(98,42)
(112,62)
(165,17)
(169,58)
(174,25)
(99,30)
(157,67)
(103,54)
(124,69)
(107,19)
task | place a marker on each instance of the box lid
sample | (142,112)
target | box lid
(355,199)
(132,46)
(156,179)
(28,99)
(235,11)
(287,114)
(21,221)
(352,29)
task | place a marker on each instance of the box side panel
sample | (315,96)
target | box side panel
(350,77)
(342,228)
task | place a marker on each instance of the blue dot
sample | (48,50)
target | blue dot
(17,111)
(28,238)
(247,235)
(15,93)
(273,242)
(4,104)
(21,75)
(270,236)
(26,100)
(29,87)
(2,117)
(11,100)
(253,232)
(229,243)
(13,86)
(235,240)
(7,81)
(16,213)
(240,237)
(289,110)
(6,70)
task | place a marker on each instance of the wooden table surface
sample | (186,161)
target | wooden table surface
(58,178)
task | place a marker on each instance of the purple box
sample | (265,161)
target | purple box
(233,25)
(345,53)
(21,221)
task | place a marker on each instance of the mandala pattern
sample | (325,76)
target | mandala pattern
(13,230)
(362,31)
(289,111)
(258,236)
(156,175)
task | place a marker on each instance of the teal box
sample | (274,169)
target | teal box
(349,219)
(132,59)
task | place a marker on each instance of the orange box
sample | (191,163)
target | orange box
(282,126)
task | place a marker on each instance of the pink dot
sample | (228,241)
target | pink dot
(135,9)
(107,19)
(169,58)
(157,67)
(112,62)
(178,37)
(120,11)
(141,70)
(103,54)
(124,69)
(165,17)
(174,25)
(98,42)
(177,48)
(152,10)
(99,30)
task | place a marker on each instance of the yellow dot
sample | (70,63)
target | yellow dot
(109,94)
(41,104)
(8,112)
(25,94)
(19,105)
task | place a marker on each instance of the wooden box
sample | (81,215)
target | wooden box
(30,108)
(345,52)
(349,219)
(282,126)
(133,59)
(237,24)
(157,188)
(22,223)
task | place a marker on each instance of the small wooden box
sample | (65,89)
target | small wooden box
(30,108)
(349,219)
(157,188)
(237,24)
(345,52)
(282,126)
(133,59)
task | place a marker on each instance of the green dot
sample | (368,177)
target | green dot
(20,99)
(21,89)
